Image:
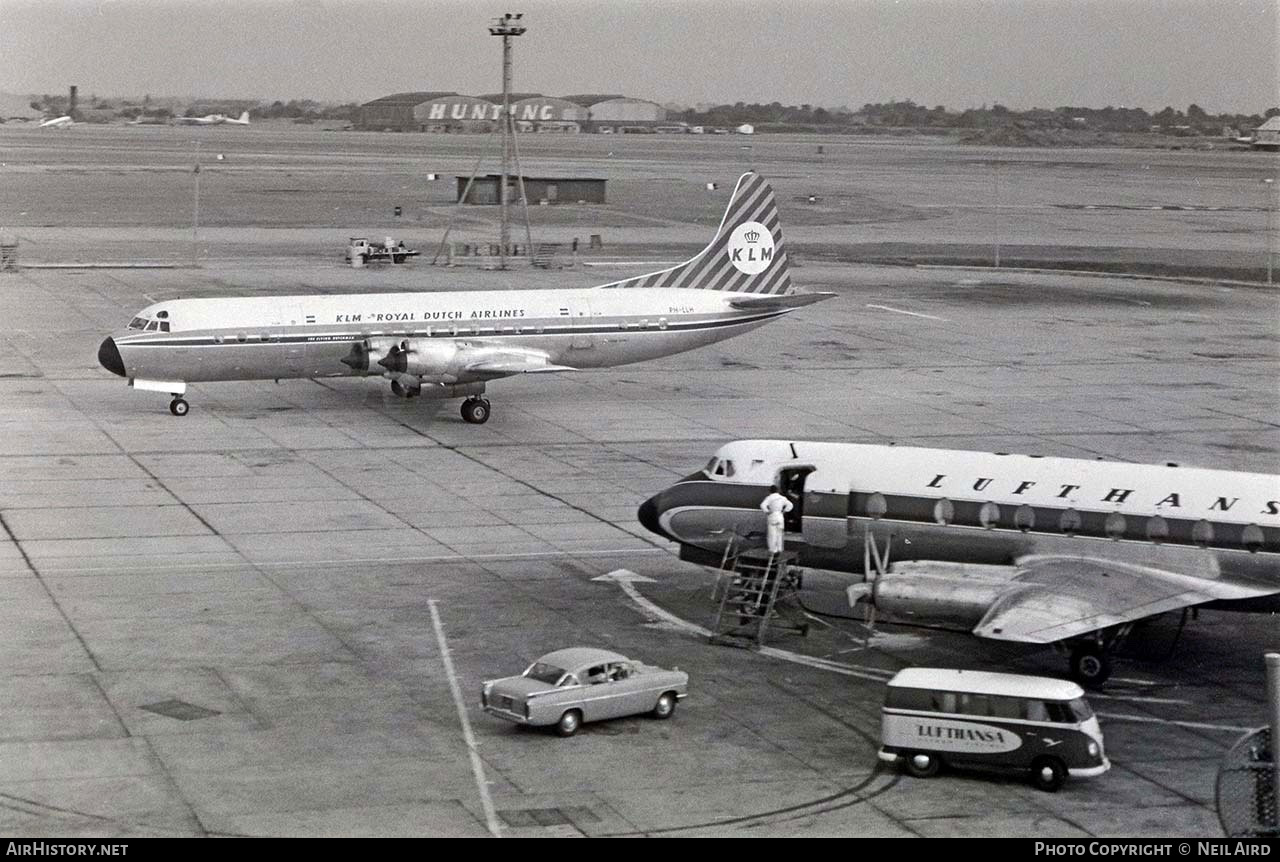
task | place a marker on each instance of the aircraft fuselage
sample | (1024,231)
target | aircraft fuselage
(263,338)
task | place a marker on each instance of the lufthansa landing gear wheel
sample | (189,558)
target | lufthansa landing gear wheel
(179,406)
(1090,667)
(475,410)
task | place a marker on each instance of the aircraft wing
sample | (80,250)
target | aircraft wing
(1052,598)
(768,301)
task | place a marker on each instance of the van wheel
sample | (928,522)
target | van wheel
(923,765)
(1048,774)
(569,723)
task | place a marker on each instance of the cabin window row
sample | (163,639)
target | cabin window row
(1072,522)
(988,705)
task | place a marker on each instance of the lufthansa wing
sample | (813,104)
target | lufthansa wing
(1052,598)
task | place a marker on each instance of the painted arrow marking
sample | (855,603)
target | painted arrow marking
(627,580)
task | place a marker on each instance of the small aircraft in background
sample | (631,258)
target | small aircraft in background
(57,123)
(213,120)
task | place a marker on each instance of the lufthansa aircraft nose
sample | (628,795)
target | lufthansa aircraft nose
(109,357)
(648,517)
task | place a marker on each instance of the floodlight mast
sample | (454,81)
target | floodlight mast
(508,26)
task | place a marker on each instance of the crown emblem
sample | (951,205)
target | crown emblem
(751,235)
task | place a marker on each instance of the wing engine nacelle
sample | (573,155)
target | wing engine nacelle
(437,360)
(367,355)
(936,600)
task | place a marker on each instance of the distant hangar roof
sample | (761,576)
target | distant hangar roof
(496,98)
(589,99)
(410,98)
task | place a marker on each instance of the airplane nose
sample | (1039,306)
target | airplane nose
(648,517)
(109,357)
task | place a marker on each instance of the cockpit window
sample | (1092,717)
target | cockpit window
(718,468)
(164,326)
(138,323)
(152,326)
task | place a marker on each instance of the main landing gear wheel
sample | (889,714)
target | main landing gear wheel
(179,406)
(1090,666)
(475,410)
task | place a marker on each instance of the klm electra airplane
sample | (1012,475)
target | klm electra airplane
(450,344)
(1009,547)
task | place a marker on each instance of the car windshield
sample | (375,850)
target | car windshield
(547,673)
(1081,710)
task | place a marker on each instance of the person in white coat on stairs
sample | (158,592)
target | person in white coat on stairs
(775,506)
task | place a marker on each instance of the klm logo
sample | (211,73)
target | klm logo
(751,248)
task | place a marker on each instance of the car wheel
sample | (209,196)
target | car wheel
(921,764)
(569,723)
(1048,774)
(665,706)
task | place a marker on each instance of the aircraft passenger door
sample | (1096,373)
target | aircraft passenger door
(825,514)
(287,346)
(583,321)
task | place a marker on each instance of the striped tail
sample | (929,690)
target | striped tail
(746,256)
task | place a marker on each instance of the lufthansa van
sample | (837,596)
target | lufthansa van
(1036,725)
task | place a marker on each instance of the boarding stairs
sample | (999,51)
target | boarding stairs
(755,591)
(545,254)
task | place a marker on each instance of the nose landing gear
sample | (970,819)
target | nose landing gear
(179,406)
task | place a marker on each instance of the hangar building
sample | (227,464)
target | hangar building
(393,112)
(452,112)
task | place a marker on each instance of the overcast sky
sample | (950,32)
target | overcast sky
(1219,54)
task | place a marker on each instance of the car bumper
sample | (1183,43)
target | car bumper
(518,718)
(1090,771)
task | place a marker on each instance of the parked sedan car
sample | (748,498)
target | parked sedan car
(569,686)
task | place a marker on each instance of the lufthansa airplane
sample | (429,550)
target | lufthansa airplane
(1009,547)
(446,345)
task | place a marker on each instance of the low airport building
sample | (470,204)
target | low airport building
(552,190)
(1267,136)
(450,112)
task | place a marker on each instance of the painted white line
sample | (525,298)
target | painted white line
(912,313)
(1137,698)
(48,567)
(627,580)
(1199,725)
(477,767)
(629,262)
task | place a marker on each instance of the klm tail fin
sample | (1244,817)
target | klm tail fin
(746,255)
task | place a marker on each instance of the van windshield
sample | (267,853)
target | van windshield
(1081,710)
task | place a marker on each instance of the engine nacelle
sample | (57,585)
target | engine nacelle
(367,355)
(934,599)
(447,390)
(437,360)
